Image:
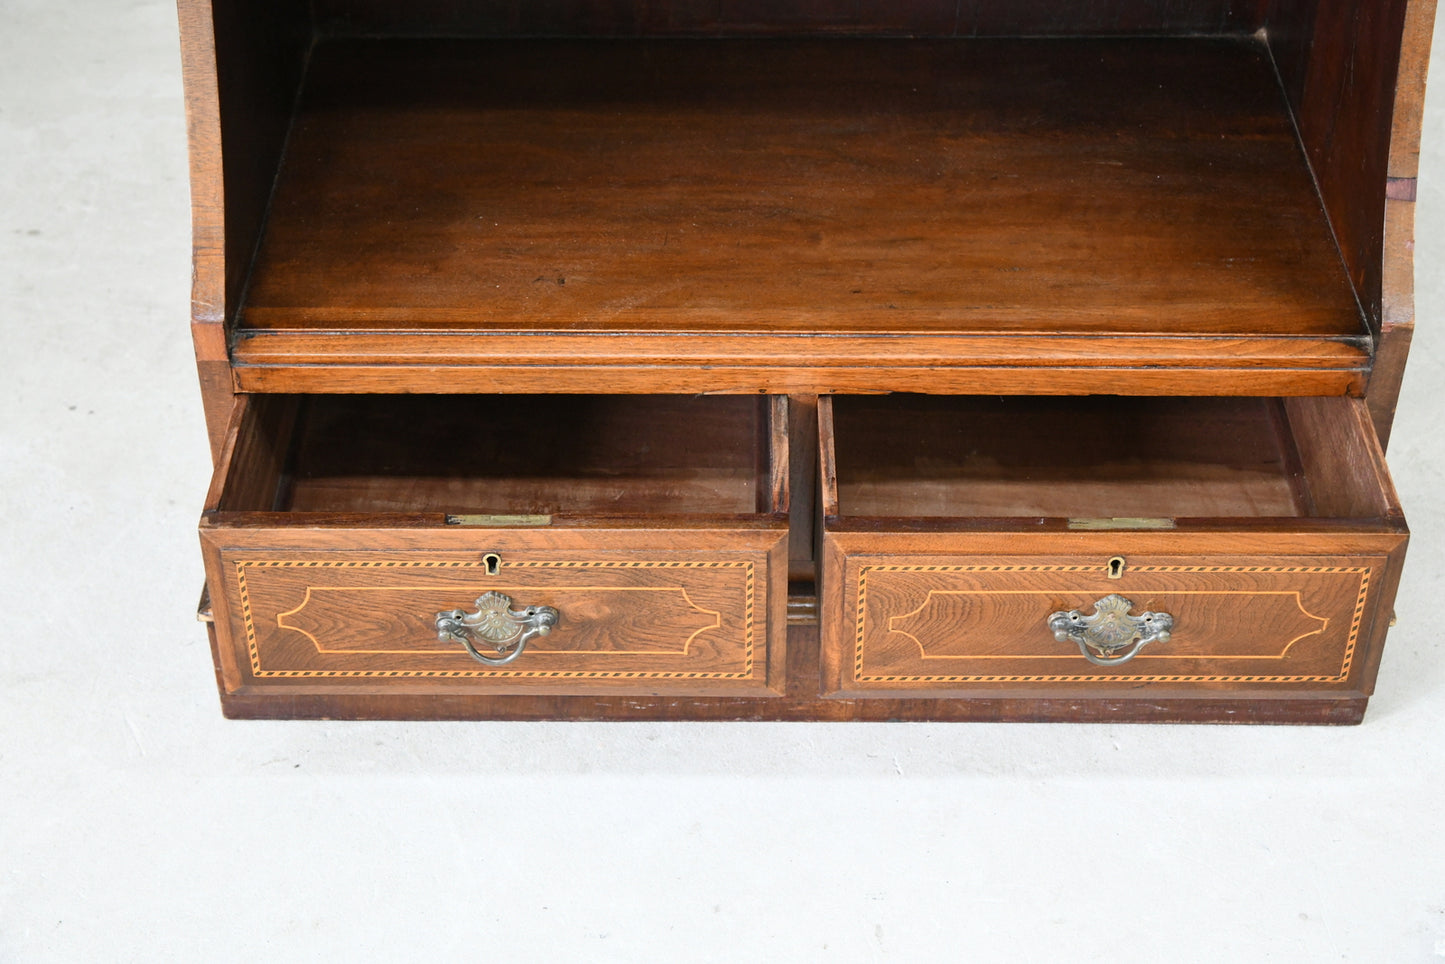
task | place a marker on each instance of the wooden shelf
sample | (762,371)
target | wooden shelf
(1024,216)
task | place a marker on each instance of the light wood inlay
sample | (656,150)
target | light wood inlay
(1249,634)
(389,631)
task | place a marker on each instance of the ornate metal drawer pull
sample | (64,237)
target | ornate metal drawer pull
(496,624)
(1111,633)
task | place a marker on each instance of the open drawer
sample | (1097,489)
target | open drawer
(522,544)
(1146,548)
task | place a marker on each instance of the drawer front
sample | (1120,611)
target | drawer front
(666,622)
(993,624)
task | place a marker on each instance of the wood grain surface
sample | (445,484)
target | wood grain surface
(647,456)
(746,362)
(1397,310)
(1018,191)
(249,57)
(626,622)
(1339,60)
(961,624)
(961,458)
(930,456)
(965,614)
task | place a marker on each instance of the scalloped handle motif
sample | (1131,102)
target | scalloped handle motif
(1111,635)
(497,625)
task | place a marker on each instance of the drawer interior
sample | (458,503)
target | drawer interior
(1102,458)
(509,455)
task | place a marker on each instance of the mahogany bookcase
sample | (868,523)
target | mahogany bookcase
(802,359)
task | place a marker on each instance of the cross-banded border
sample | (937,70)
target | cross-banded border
(1347,664)
(257,670)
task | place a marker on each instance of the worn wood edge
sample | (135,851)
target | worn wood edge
(1409,107)
(203,137)
(1388,379)
(1399,267)
(1397,296)
(861,379)
(208,233)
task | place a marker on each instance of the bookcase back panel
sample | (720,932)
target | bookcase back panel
(929,18)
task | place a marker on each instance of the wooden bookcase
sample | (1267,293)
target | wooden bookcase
(802,359)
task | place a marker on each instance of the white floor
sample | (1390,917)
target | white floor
(137,824)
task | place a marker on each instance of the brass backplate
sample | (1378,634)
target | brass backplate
(1121,523)
(499,521)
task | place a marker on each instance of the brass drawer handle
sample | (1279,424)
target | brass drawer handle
(496,624)
(1111,633)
